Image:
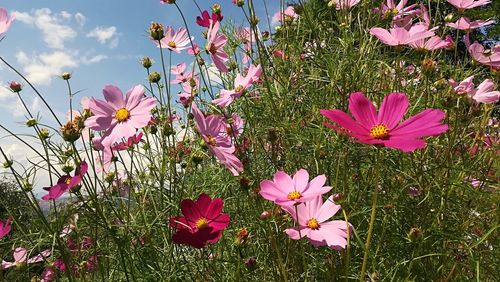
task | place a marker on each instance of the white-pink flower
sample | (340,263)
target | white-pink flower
(485,93)
(466,86)
(397,36)
(464,23)
(462,5)
(175,40)
(5,20)
(241,84)
(21,258)
(287,15)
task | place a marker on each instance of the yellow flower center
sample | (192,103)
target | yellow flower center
(201,223)
(239,88)
(294,195)
(313,224)
(68,180)
(211,140)
(380,131)
(122,115)
(172,44)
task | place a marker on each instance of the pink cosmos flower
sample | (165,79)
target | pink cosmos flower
(194,50)
(21,258)
(462,5)
(119,117)
(288,15)
(485,93)
(66,183)
(213,131)
(204,20)
(130,143)
(312,218)
(5,20)
(175,40)
(397,36)
(486,57)
(215,47)
(5,228)
(287,191)
(48,274)
(235,127)
(464,23)
(241,84)
(466,86)
(203,221)
(384,127)
(178,69)
(432,43)
(345,4)
(397,11)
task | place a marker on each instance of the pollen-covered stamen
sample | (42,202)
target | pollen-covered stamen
(294,195)
(122,115)
(211,140)
(380,131)
(313,224)
(68,180)
(239,88)
(201,223)
(172,44)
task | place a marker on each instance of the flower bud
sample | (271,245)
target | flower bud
(156,31)
(241,237)
(26,185)
(67,168)
(216,9)
(240,3)
(44,133)
(110,177)
(415,234)
(254,20)
(66,75)
(265,215)
(15,86)
(154,77)
(449,18)
(265,35)
(31,122)
(8,163)
(167,1)
(196,158)
(250,262)
(146,62)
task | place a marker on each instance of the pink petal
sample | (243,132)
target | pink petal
(301,180)
(392,109)
(425,123)
(113,96)
(134,96)
(327,210)
(345,121)
(363,110)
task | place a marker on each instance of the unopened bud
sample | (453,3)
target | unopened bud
(110,177)
(265,35)
(265,215)
(154,77)
(66,75)
(15,86)
(67,168)
(250,262)
(146,62)
(44,133)
(8,163)
(449,18)
(216,8)
(254,20)
(26,185)
(415,234)
(31,122)
(156,31)
(167,1)
(240,3)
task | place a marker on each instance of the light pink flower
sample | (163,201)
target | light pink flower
(485,93)
(287,191)
(21,258)
(384,127)
(178,69)
(5,228)
(312,218)
(287,15)
(468,4)
(432,43)
(464,23)
(397,36)
(466,86)
(194,50)
(215,47)
(5,20)
(241,84)
(345,4)
(236,126)
(486,57)
(397,11)
(120,116)
(175,40)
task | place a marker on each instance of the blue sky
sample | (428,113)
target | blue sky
(99,42)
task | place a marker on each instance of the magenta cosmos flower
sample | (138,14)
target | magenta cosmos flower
(5,228)
(5,20)
(119,117)
(312,218)
(384,127)
(21,258)
(397,36)
(464,23)
(205,19)
(215,47)
(203,221)
(65,183)
(462,5)
(287,191)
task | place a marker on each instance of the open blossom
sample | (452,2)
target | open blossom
(287,191)
(205,19)
(486,57)
(485,93)
(203,221)
(397,11)
(215,47)
(287,15)
(432,43)
(343,4)
(175,40)
(464,23)
(466,86)
(241,84)
(384,128)
(312,218)
(66,183)
(213,131)
(119,117)
(5,20)
(5,228)
(397,36)
(468,4)
(21,258)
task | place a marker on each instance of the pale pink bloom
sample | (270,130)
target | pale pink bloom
(287,15)
(432,43)
(178,69)
(182,77)
(241,84)
(397,36)
(464,23)
(5,228)
(397,11)
(312,218)
(486,57)
(194,50)
(485,93)
(120,116)
(213,131)
(466,86)
(175,40)
(235,127)
(21,258)
(5,20)
(215,47)
(468,4)
(247,36)
(287,191)
(345,4)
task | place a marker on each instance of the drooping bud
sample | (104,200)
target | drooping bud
(156,31)
(15,86)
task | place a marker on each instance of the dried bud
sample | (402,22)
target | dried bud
(146,62)
(429,65)
(156,31)
(154,77)
(66,75)
(241,237)
(244,182)
(15,86)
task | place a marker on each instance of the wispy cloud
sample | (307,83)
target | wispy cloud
(105,35)
(40,69)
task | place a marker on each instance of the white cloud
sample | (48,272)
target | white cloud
(94,59)
(5,93)
(40,69)
(55,32)
(105,35)
(80,19)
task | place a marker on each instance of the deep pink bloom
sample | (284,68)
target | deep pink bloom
(204,20)
(130,143)
(241,84)
(287,191)
(312,218)
(21,258)
(5,228)
(345,4)
(486,57)
(215,47)
(384,127)
(48,274)
(175,40)
(5,20)
(66,183)
(466,86)
(203,221)
(287,15)
(464,23)
(120,117)
(485,93)
(213,131)
(397,36)
(468,4)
